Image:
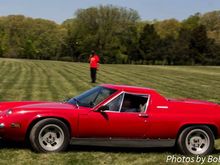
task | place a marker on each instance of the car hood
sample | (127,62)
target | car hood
(7,105)
(35,105)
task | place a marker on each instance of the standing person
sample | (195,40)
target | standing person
(94,65)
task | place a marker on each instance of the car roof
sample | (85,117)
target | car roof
(129,88)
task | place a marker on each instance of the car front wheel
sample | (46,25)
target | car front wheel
(196,140)
(49,135)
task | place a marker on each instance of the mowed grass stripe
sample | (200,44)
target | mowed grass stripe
(63,87)
(82,76)
(44,85)
(3,64)
(78,82)
(10,81)
(135,75)
(171,81)
(197,82)
(163,85)
(79,75)
(4,71)
(117,75)
(20,81)
(172,84)
(141,78)
(209,70)
(51,80)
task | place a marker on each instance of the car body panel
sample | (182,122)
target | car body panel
(162,119)
(111,124)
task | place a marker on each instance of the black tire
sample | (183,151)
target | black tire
(49,135)
(196,140)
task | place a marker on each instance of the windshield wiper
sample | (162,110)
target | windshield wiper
(77,102)
(68,100)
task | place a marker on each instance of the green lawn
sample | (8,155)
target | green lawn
(54,81)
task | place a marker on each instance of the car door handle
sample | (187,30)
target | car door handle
(144,115)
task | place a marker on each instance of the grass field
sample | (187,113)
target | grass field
(54,81)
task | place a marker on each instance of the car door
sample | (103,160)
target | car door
(92,124)
(96,124)
(114,123)
(130,122)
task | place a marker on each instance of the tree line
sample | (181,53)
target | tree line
(117,34)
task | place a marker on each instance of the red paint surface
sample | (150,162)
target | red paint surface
(85,122)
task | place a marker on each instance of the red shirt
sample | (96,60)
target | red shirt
(94,61)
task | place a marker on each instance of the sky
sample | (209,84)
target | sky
(60,10)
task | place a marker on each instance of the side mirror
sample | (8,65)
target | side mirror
(102,108)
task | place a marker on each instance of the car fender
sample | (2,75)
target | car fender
(69,121)
(211,125)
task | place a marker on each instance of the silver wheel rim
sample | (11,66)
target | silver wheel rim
(197,141)
(51,137)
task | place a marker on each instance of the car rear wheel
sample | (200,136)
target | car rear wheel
(196,140)
(49,135)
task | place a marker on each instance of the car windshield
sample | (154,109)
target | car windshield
(92,97)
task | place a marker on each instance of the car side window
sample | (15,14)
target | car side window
(134,103)
(115,104)
(128,103)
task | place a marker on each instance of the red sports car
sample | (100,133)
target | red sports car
(113,115)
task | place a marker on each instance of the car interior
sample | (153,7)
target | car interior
(127,102)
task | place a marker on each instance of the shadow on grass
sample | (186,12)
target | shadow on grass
(216,151)
(79,148)
(158,150)
(12,144)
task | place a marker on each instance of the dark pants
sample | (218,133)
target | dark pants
(93,74)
